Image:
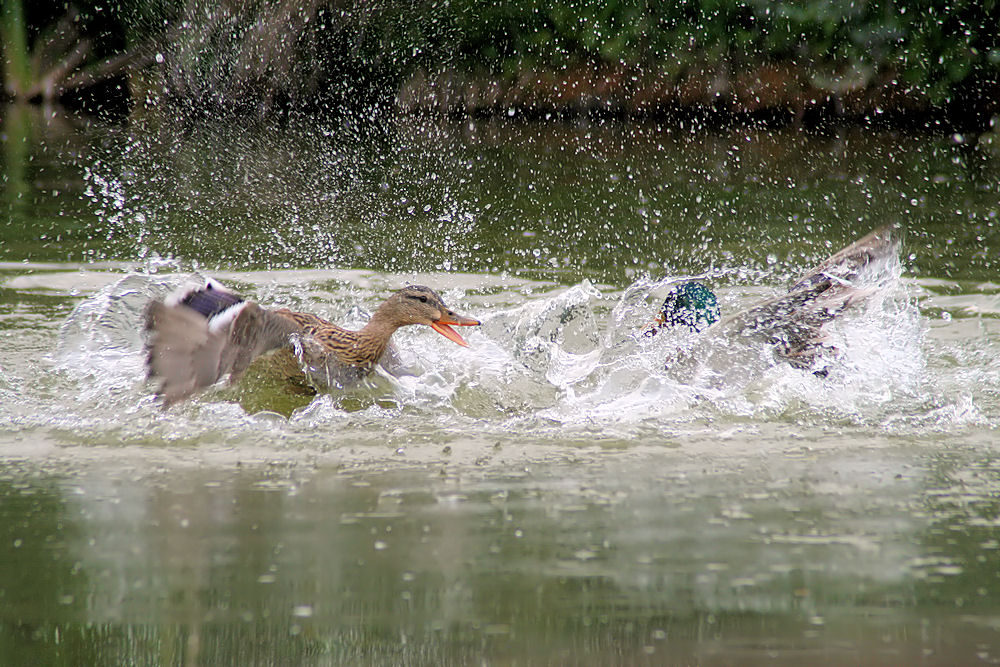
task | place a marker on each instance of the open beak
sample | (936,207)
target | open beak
(443,327)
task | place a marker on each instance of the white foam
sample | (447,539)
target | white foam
(567,360)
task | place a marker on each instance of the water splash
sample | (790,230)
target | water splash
(283,196)
(556,361)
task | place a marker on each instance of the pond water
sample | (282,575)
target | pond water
(551,494)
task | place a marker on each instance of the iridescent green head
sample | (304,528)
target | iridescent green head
(692,305)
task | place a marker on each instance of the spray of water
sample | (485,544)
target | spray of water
(563,360)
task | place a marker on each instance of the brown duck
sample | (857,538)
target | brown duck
(199,336)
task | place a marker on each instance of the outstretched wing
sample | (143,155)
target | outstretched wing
(198,336)
(846,263)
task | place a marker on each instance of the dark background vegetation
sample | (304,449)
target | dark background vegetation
(933,63)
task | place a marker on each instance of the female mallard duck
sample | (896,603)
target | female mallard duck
(198,336)
(791,322)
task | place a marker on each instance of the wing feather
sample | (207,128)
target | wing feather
(191,347)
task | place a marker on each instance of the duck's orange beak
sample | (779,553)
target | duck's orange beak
(444,327)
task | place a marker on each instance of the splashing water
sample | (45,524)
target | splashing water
(561,465)
(546,360)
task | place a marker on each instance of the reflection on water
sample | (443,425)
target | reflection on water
(552,494)
(826,557)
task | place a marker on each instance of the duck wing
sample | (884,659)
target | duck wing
(793,321)
(847,263)
(198,336)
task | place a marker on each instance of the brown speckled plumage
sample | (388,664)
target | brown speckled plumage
(211,332)
(356,348)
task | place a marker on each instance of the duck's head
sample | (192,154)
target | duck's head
(691,305)
(417,304)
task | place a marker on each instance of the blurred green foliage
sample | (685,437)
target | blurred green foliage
(932,44)
(231,51)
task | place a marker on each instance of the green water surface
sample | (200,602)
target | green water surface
(451,532)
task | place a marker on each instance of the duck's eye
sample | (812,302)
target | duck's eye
(419,297)
(423,299)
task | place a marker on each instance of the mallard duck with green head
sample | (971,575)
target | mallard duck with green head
(791,322)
